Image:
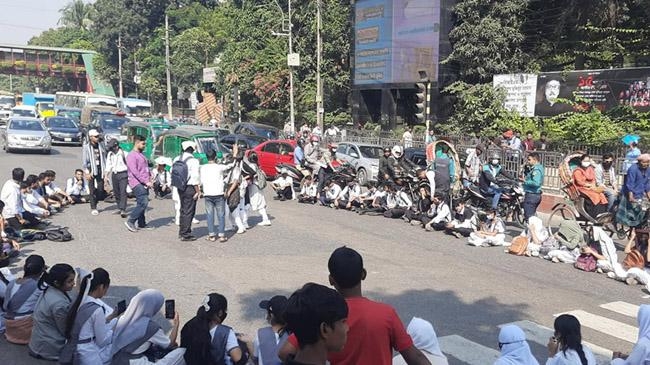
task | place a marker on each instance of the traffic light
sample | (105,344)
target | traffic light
(421,102)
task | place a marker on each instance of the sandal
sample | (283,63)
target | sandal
(211,238)
(223,239)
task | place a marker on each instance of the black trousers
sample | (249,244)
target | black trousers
(285,193)
(324,174)
(120,181)
(394,213)
(158,189)
(96,193)
(465,232)
(188,209)
(31,219)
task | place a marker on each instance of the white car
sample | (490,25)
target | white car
(363,157)
(28,111)
(25,134)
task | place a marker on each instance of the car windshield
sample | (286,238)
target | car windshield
(61,123)
(23,112)
(371,152)
(46,106)
(268,133)
(26,125)
(208,144)
(7,100)
(102,101)
(113,123)
(138,111)
(70,113)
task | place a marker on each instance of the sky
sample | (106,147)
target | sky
(23,19)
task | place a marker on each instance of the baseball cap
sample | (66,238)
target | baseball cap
(187,144)
(275,305)
(93,133)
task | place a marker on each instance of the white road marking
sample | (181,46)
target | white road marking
(623,308)
(467,351)
(605,325)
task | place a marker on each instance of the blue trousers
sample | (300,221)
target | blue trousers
(216,206)
(141,202)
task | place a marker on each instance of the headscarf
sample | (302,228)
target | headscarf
(515,349)
(133,323)
(424,337)
(644,321)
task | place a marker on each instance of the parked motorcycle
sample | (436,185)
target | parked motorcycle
(510,204)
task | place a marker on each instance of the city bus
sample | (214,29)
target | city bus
(137,109)
(76,99)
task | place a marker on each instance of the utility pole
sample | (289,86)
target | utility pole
(168,69)
(319,59)
(292,120)
(119,66)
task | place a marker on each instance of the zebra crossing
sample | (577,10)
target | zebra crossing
(461,350)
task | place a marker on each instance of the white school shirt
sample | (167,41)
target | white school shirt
(73,188)
(213,178)
(442,213)
(10,195)
(309,190)
(30,303)
(30,204)
(193,168)
(52,188)
(333,192)
(116,162)
(283,182)
(97,351)
(163,178)
(571,357)
(159,339)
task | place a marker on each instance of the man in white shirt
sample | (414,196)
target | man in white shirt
(116,166)
(77,187)
(213,177)
(53,191)
(17,218)
(31,202)
(407,138)
(440,212)
(191,193)
(331,193)
(162,179)
(283,185)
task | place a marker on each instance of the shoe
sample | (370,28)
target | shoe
(195,221)
(611,275)
(405,219)
(223,239)
(130,226)
(428,228)
(599,270)
(211,238)
(264,223)
(188,238)
(123,214)
(415,223)
(115,212)
(147,228)
(456,234)
(555,259)
(630,281)
(241,230)
(94,212)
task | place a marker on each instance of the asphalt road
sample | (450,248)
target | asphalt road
(466,292)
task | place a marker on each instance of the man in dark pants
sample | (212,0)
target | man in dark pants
(13,212)
(140,183)
(327,169)
(94,165)
(532,185)
(116,166)
(191,193)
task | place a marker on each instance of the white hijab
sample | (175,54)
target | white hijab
(133,323)
(424,338)
(514,349)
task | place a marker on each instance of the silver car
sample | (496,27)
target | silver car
(22,133)
(363,157)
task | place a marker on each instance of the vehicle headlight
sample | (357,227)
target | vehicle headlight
(12,137)
(47,138)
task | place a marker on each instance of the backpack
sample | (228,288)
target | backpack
(180,174)
(261,179)
(59,234)
(518,246)
(570,234)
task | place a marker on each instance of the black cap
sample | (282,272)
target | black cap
(386,149)
(275,305)
(113,143)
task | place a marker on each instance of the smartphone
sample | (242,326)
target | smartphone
(121,307)
(170,309)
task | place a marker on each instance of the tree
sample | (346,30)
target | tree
(77,14)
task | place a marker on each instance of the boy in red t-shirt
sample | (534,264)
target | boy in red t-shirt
(375,328)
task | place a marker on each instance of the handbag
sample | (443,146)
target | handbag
(586,262)
(518,246)
(232,192)
(634,259)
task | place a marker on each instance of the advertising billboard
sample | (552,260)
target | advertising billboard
(602,89)
(395,39)
(520,92)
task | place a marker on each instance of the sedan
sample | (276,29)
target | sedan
(363,157)
(248,141)
(25,134)
(272,153)
(63,130)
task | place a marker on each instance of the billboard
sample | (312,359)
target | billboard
(395,39)
(520,92)
(602,89)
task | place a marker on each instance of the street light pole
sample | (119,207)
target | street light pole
(292,120)
(168,69)
(119,67)
(319,57)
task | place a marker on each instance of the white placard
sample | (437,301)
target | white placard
(520,92)
(293,59)
(209,74)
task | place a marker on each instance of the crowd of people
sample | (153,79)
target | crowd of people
(70,323)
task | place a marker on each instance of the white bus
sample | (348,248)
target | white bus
(76,99)
(138,108)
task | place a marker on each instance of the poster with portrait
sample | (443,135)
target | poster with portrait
(520,91)
(600,89)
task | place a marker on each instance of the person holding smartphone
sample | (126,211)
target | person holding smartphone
(136,332)
(565,346)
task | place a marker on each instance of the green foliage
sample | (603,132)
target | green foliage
(592,128)
(477,106)
(267,116)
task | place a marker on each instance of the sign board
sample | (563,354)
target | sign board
(293,59)
(520,92)
(209,75)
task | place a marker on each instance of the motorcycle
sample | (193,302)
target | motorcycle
(510,204)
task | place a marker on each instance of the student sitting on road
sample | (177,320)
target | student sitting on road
(136,332)
(308,189)
(48,333)
(425,339)
(13,212)
(641,352)
(54,191)
(207,340)
(162,179)
(349,197)
(566,347)
(492,232)
(269,340)
(440,214)
(20,300)
(464,221)
(540,240)
(43,181)
(37,199)
(397,202)
(514,348)
(10,247)
(318,317)
(283,186)
(332,191)
(30,202)
(418,215)
(77,187)
(374,198)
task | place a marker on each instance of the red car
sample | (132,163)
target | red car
(273,152)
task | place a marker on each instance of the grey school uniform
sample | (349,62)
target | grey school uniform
(49,324)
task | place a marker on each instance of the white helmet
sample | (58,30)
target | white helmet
(397,151)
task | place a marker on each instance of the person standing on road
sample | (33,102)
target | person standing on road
(116,165)
(386,171)
(213,182)
(375,328)
(326,166)
(140,183)
(407,138)
(256,185)
(313,155)
(94,165)
(532,185)
(190,192)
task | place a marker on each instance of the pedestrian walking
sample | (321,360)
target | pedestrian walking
(186,179)
(116,166)
(533,179)
(94,165)
(213,183)
(256,185)
(140,183)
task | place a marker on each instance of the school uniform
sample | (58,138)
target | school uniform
(19,303)
(116,164)
(94,345)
